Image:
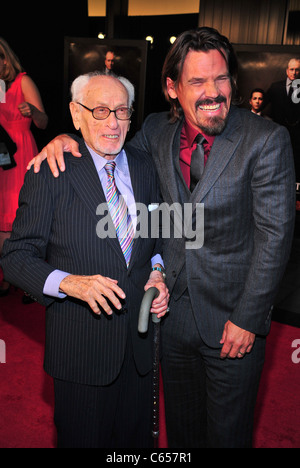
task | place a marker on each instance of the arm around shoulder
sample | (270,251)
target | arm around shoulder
(54,153)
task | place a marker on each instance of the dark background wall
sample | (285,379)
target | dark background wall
(36,31)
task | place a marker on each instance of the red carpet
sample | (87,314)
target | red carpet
(26,392)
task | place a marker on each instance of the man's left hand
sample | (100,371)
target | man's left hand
(236,341)
(160,304)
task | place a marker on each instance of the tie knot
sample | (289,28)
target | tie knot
(200,139)
(110,168)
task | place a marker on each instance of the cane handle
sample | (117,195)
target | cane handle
(148,298)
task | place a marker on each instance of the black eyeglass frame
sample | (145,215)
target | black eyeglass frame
(129,109)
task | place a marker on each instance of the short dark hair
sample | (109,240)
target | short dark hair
(257,90)
(200,40)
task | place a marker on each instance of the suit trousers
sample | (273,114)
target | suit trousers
(209,401)
(118,415)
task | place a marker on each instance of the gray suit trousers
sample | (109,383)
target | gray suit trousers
(209,401)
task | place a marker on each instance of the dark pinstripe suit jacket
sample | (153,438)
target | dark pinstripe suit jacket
(55,228)
(284,111)
(248,192)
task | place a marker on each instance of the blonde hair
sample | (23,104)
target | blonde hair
(13,66)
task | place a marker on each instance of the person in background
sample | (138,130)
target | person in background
(256,100)
(284,98)
(20,106)
(109,62)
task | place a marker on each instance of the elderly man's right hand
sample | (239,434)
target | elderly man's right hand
(54,153)
(95,290)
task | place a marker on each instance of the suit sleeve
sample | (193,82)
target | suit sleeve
(274,205)
(143,139)
(24,254)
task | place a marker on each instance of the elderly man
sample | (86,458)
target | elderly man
(280,95)
(241,168)
(284,97)
(92,285)
(109,62)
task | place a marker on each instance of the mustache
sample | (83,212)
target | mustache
(208,102)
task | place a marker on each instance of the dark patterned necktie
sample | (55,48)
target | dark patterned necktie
(197,162)
(119,213)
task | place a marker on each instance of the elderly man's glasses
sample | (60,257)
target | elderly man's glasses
(102,113)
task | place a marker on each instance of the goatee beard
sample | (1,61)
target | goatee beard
(213,126)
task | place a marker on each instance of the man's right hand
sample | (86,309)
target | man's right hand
(95,290)
(54,153)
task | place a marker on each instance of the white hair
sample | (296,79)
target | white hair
(295,59)
(78,85)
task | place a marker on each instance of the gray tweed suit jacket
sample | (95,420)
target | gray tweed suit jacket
(248,192)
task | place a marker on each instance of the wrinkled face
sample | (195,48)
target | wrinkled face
(293,70)
(204,91)
(105,137)
(256,101)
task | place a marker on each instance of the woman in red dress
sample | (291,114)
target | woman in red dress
(20,105)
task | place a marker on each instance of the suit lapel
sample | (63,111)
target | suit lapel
(168,160)
(138,176)
(85,181)
(221,153)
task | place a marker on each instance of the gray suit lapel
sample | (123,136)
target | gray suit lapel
(221,153)
(169,150)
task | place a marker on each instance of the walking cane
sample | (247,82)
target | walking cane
(149,297)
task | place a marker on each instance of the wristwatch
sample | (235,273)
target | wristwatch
(162,271)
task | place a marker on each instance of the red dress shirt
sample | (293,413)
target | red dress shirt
(187,146)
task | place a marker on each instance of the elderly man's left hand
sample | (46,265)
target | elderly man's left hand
(160,304)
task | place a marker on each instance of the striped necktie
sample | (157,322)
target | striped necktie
(119,213)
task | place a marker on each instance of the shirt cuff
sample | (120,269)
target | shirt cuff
(157,259)
(51,287)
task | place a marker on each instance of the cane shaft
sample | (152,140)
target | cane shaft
(156,377)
